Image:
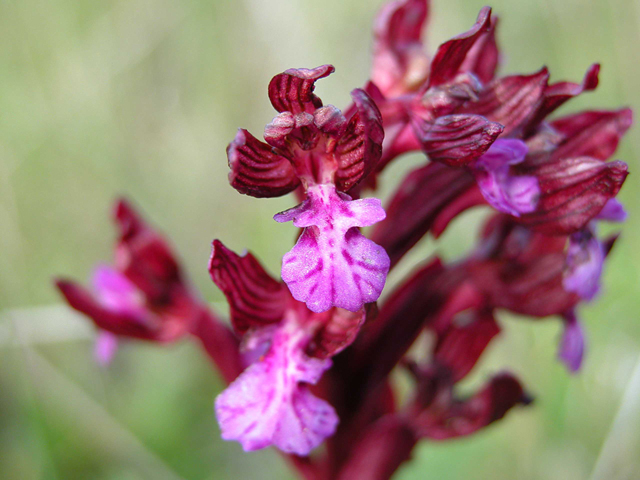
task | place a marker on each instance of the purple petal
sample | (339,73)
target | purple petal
(572,344)
(507,193)
(105,348)
(268,404)
(585,258)
(333,264)
(613,211)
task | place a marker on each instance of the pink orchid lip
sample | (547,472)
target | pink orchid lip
(333,264)
(270,404)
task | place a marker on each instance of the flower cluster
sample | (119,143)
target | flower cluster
(308,358)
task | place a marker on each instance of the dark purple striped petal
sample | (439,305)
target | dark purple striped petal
(292,90)
(360,147)
(572,192)
(592,134)
(254,297)
(456,140)
(511,101)
(451,55)
(257,170)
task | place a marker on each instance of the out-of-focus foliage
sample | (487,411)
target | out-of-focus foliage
(140,97)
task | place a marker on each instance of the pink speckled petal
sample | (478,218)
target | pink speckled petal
(333,264)
(507,193)
(269,404)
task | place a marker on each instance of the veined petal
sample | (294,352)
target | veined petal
(593,133)
(459,347)
(269,403)
(585,259)
(451,55)
(458,139)
(483,58)
(420,198)
(510,101)
(507,193)
(337,333)
(255,298)
(572,344)
(450,417)
(572,192)
(400,63)
(359,149)
(333,264)
(257,170)
(292,90)
(558,93)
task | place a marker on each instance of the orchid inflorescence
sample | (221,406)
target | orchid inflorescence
(308,358)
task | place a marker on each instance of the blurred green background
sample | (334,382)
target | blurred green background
(141,97)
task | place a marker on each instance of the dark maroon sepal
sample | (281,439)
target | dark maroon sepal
(380,450)
(572,192)
(592,133)
(359,149)
(456,140)
(459,347)
(339,330)
(530,288)
(255,298)
(484,57)
(122,324)
(451,55)
(511,101)
(419,200)
(449,417)
(400,62)
(292,90)
(145,257)
(257,170)
(558,93)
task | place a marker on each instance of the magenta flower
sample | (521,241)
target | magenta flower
(288,348)
(145,296)
(326,154)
